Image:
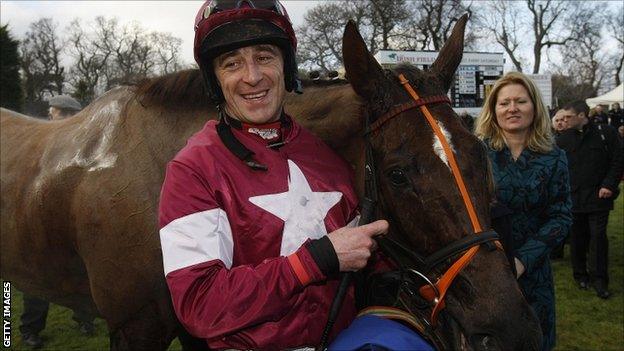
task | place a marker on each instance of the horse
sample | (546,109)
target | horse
(79,196)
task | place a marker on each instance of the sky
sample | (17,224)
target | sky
(175,17)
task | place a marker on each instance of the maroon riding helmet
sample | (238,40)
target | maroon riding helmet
(226,25)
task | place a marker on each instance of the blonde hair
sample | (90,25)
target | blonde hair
(540,134)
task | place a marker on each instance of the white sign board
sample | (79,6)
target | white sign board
(544,85)
(475,68)
(392,57)
(475,77)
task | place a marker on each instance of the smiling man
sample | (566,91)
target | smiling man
(257,216)
(252,81)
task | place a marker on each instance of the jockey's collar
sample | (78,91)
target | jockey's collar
(271,132)
(283,122)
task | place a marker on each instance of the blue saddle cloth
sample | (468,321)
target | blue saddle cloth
(370,332)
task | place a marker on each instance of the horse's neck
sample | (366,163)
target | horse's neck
(165,131)
(334,114)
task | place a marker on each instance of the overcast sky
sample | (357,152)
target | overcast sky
(176,17)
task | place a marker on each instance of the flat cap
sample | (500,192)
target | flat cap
(65,102)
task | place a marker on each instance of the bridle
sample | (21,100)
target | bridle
(434,290)
(435,293)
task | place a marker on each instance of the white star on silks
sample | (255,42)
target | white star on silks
(302,210)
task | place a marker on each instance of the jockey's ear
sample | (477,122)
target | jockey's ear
(451,54)
(362,69)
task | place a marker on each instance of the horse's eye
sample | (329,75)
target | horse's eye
(397,177)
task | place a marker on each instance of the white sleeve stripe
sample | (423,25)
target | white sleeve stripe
(197,238)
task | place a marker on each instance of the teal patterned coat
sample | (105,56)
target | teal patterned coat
(536,189)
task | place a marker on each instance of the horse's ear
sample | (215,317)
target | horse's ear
(451,54)
(363,71)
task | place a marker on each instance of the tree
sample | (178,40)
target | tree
(566,89)
(548,24)
(615,28)
(384,24)
(584,58)
(546,16)
(429,23)
(320,38)
(131,53)
(41,49)
(387,16)
(90,62)
(10,81)
(166,52)
(499,20)
(106,54)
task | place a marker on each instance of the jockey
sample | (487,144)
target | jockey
(257,216)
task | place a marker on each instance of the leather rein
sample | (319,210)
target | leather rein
(467,247)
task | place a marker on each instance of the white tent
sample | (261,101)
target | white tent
(615,95)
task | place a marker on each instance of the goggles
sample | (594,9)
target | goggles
(225,5)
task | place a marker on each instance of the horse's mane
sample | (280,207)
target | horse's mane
(175,90)
(185,89)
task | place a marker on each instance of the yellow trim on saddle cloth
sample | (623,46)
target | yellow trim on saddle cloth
(394,314)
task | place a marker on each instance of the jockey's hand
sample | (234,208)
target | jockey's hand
(353,246)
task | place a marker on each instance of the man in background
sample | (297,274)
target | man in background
(559,123)
(62,106)
(600,116)
(595,162)
(616,116)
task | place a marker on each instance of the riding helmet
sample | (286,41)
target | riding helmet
(225,25)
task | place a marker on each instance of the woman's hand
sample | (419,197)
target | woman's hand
(604,193)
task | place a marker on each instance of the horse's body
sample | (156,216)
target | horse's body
(80,196)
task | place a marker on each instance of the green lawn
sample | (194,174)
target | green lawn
(584,322)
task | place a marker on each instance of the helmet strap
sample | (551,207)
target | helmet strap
(224,130)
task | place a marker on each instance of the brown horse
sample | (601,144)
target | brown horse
(79,196)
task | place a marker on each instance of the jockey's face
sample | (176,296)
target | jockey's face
(252,81)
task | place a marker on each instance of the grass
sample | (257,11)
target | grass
(584,322)
(61,332)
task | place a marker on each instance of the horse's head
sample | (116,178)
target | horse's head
(420,196)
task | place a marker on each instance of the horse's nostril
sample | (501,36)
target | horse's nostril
(484,342)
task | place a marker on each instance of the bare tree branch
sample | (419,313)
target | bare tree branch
(41,61)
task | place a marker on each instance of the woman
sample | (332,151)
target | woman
(531,176)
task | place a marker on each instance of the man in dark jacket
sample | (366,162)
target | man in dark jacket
(616,116)
(600,115)
(595,161)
